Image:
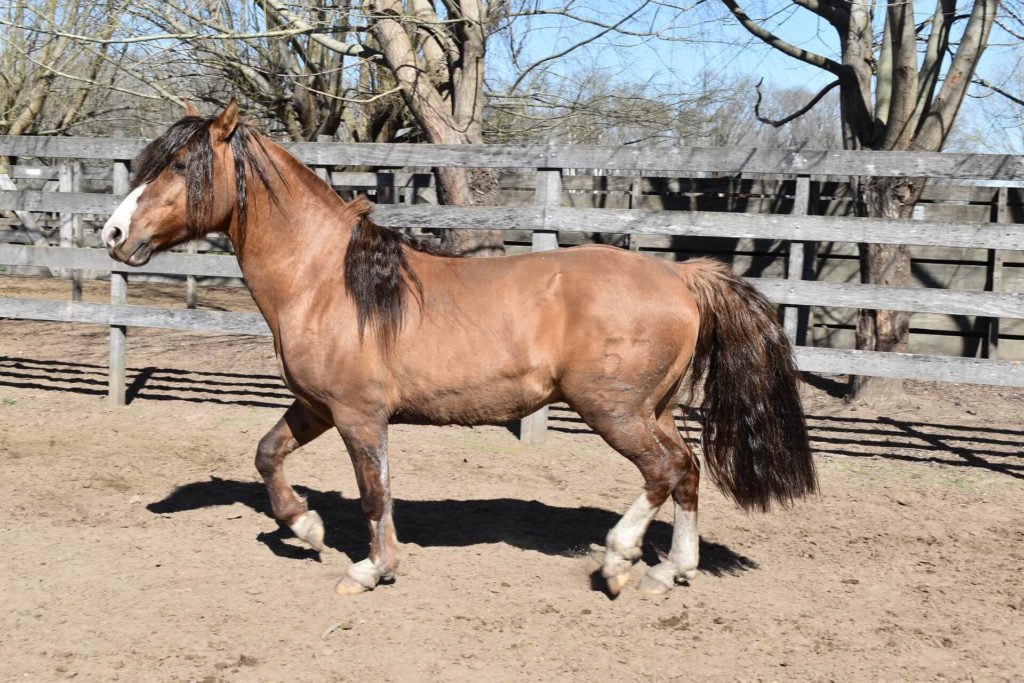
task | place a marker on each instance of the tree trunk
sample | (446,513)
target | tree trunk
(470,187)
(887,265)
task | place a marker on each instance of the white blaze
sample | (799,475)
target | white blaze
(121,219)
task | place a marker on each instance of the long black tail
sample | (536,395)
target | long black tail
(755,438)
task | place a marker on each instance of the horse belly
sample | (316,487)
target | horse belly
(482,401)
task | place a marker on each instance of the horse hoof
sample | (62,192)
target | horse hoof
(651,586)
(349,586)
(689,574)
(617,582)
(308,527)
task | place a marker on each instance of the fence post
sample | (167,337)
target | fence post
(118,296)
(322,172)
(533,428)
(191,289)
(994,273)
(635,192)
(796,319)
(70,180)
(385,187)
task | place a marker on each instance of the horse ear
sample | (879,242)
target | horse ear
(226,122)
(190,109)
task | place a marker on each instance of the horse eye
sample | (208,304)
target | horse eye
(178,167)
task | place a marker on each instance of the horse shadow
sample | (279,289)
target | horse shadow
(525,524)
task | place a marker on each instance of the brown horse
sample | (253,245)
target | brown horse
(371,327)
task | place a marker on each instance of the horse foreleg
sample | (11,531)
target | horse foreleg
(369,453)
(296,428)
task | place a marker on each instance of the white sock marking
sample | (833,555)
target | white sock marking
(309,528)
(685,552)
(623,542)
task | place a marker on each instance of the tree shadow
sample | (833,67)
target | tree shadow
(525,524)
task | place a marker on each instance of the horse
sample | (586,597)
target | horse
(371,327)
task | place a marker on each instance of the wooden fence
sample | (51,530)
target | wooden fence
(547,217)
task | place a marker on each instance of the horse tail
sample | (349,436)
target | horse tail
(755,437)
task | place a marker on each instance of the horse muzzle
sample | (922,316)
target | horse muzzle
(136,253)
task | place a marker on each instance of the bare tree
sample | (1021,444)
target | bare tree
(305,64)
(736,121)
(588,107)
(48,83)
(900,88)
(997,121)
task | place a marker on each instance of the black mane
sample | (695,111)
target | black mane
(378,276)
(192,135)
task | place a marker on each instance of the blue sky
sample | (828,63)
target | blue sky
(708,39)
(705,38)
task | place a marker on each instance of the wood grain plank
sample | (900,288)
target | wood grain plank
(635,158)
(134,316)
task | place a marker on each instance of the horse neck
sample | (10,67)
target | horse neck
(292,244)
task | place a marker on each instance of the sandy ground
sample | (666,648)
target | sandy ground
(136,543)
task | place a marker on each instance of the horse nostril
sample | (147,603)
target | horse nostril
(114,236)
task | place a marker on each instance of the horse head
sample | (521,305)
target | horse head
(184,186)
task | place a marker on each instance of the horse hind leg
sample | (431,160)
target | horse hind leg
(662,466)
(296,428)
(684,555)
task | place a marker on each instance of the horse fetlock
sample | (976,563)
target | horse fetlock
(309,528)
(663,576)
(627,549)
(685,562)
(386,567)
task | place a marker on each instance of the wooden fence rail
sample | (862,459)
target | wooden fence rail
(546,218)
(727,161)
(633,221)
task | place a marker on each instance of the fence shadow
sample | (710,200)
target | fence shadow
(525,524)
(146,383)
(994,449)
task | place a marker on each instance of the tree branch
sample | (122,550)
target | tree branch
(938,120)
(351,48)
(998,90)
(795,115)
(831,12)
(578,45)
(901,125)
(779,44)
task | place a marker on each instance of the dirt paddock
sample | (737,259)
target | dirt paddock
(136,542)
